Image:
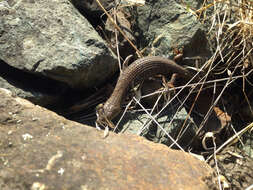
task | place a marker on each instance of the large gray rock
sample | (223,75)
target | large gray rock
(50,38)
(166,26)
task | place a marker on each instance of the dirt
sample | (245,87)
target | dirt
(236,166)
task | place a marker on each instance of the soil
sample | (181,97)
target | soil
(236,166)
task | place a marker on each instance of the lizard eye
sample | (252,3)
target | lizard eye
(102,117)
(100,109)
(100,114)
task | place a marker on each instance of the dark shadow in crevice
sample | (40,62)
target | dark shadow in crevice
(65,96)
(29,81)
(95,18)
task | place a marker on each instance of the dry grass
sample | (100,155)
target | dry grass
(232,24)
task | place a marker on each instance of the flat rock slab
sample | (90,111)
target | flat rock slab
(41,150)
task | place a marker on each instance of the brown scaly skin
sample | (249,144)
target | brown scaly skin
(138,71)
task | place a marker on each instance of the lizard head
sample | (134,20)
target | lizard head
(105,114)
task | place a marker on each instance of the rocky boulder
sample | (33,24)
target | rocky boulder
(51,39)
(41,150)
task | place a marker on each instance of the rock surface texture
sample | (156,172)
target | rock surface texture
(52,39)
(167,26)
(41,150)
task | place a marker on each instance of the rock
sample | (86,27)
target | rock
(41,150)
(52,39)
(165,27)
(140,124)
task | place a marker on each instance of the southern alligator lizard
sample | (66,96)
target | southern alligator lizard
(139,70)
